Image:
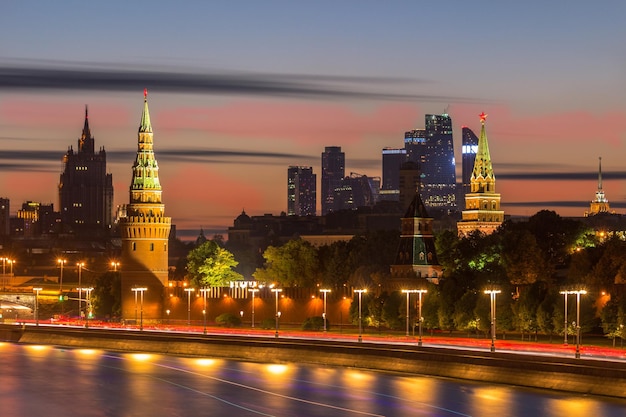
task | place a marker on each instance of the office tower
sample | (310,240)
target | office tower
(468,152)
(438,171)
(333,171)
(600,204)
(85,188)
(482,205)
(301,191)
(432,148)
(144,231)
(356,191)
(416,258)
(5,217)
(392,160)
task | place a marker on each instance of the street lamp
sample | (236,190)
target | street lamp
(88,304)
(492,296)
(80,266)
(204,297)
(421,319)
(277,291)
(578,294)
(360,292)
(565,322)
(37,289)
(189,291)
(140,290)
(408,317)
(115,264)
(325,291)
(253,291)
(61,263)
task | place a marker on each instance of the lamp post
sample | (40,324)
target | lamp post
(189,291)
(253,291)
(578,294)
(565,292)
(37,289)
(87,304)
(80,266)
(61,263)
(421,319)
(139,290)
(277,291)
(360,292)
(115,264)
(325,291)
(621,336)
(204,298)
(492,296)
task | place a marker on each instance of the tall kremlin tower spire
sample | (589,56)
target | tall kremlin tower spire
(482,204)
(600,204)
(145,230)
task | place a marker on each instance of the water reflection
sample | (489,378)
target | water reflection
(41,380)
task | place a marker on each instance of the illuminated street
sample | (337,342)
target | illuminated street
(42,380)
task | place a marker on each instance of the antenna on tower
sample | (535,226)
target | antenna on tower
(445,110)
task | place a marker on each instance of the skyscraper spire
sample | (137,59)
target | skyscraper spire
(86,131)
(86,142)
(145,126)
(600,173)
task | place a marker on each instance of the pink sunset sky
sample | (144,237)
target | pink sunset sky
(232,106)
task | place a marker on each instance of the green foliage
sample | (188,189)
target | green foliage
(107,294)
(211,265)
(228,320)
(267,324)
(315,323)
(294,264)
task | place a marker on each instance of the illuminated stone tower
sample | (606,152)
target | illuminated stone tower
(600,204)
(145,231)
(482,204)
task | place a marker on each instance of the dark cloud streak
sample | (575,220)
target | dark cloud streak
(37,77)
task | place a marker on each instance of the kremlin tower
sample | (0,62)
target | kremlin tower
(145,231)
(482,204)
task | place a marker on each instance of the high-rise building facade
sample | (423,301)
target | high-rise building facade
(145,231)
(301,191)
(356,191)
(392,161)
(333,171)
(432,149)
(85,188)
(468,155)
(482,204)
(5,216)
(439,170)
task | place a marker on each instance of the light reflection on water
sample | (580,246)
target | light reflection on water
(41,380)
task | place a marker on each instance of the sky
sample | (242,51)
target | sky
(240,90)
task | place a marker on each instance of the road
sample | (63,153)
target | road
(56,382)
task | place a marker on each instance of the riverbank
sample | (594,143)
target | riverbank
(584,376)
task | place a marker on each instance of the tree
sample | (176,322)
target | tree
(107,294)
(211,265)
(294,264)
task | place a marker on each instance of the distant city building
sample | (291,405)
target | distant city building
(390,186)
(416,260)
(408,184)
(145,231)
(356,191)
(468,155)
(301,191)
(482,205)
(333,171)
(600,204)
(432,148)
(5,217)
(85,188)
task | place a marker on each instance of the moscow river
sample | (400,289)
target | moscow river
(57,382)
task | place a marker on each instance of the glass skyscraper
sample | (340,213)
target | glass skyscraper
(301,191)
(468,152)
(432,148)
(333,171)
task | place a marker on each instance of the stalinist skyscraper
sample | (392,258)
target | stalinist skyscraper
(145,231)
